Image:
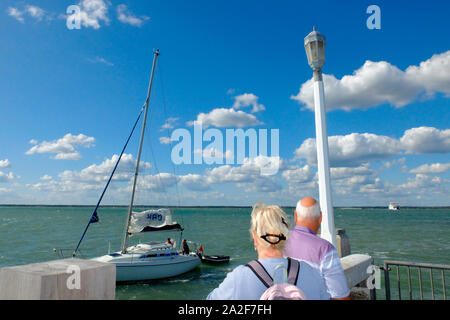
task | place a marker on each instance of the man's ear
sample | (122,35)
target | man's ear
(320,218)
(295,216)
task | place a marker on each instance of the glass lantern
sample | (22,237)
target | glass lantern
(315,50)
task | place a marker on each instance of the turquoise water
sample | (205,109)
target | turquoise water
(29,234)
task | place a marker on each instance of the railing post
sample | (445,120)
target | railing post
(409,284)
(432,285)
(443,284)
(387,285)
(420,283)
(398,283)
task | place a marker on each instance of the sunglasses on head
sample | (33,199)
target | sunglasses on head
(280,237)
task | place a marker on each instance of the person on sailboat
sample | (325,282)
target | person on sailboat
(169,241)
(185,247)
(269,230)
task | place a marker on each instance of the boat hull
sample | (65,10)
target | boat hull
(215,259)
(155,270)
(149,262)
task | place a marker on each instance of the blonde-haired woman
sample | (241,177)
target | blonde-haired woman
(269,231)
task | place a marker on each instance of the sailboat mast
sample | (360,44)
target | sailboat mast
(130,210)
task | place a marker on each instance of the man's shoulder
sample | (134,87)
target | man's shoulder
(309,247)
(318,241)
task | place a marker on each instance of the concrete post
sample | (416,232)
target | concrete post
(356,268)
(69,279)
(342,243)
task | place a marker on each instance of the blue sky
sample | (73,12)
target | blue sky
(70,97)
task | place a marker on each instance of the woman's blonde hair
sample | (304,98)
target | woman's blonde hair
(270,225)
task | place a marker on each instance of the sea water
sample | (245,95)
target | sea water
(28,234)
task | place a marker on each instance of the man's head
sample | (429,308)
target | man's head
(307,214)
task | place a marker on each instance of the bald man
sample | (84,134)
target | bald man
(304,244)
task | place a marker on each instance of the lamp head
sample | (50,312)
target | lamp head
(315,50)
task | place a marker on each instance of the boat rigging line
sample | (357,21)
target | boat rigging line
(94,217)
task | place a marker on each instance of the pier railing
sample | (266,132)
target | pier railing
(427,275)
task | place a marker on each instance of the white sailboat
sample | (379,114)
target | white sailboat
(394,206)
(145,261)
(154,260)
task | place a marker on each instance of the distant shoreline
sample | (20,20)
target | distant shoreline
(212,207)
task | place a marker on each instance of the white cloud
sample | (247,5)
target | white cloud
(16,14)
(72,188)
(157,183)
(376,83)
(231,117)
(390,164)
(246,100)
(249,175)
(194,182)
(35,12)
(92,13)
(299,175)
(426,140)
(357,148)
(420,181)
(80,184)
(344,179)
(4,190)
(101,60)
(431,168)
(350,172)
(230,91)
(101,172)
(169,124)
(32,11)
(265,185)
(163,181)
(127,17)
(6,177)
(352,149)
(212,153)
(68,156)
(164,140)
(223,117)
(5,164)
(63,147)
(433,74)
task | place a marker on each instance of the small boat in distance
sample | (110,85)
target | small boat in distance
(215,259)
(394,206)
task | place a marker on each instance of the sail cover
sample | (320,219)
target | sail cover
(152,220)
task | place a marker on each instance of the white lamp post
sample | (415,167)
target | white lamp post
(315,50)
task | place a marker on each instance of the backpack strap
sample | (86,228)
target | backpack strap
(262,274)
(258,269)
(293,270)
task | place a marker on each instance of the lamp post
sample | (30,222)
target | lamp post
(315,51)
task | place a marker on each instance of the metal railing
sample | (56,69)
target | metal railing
(412,282)
(61,253)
